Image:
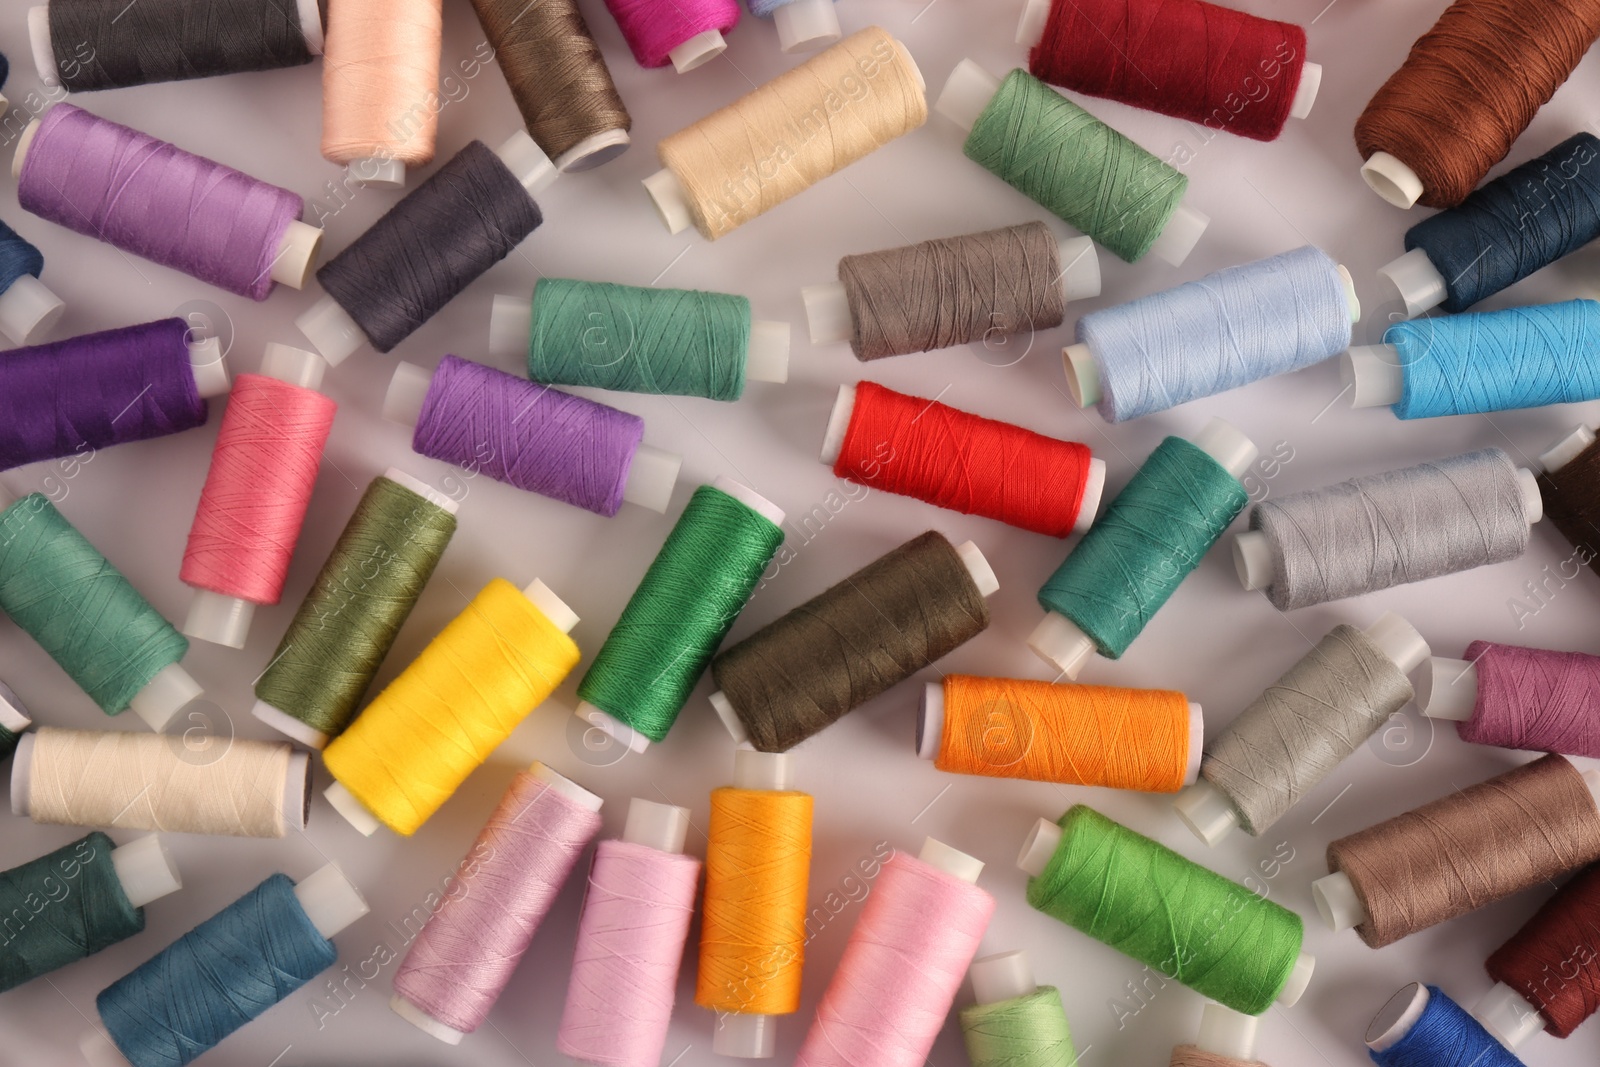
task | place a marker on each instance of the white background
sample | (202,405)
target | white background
(1219,644)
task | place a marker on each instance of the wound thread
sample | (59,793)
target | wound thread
(803,672)
(216,978)
(380,79)
(1534,699)
(1148,541)
(1213,66)
(1387,529)
(528,435)
(953,459)
(354,610)
(86,393)
(1551,961)
(422,252)
(953,290)
(1232,327)
(1469,849)
(17,258)
(1068,734)
(1026,1031)
(1083,171)
(653,29)
(51,937)
(676,342)
(154,200)
(1303,725)
(64,594)
(464,957)
(1143,899)
(807,123)
(1445,1035)
(414,745)
(1190,1056)
(1570,495)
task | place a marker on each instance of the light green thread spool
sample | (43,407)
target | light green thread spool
(1088,174)
(1026,1031)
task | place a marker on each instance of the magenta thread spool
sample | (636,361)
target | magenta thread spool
(1513,697)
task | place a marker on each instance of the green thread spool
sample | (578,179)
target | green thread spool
(1148,541)
(353,612)
(60,908)
(1085,172)
(1015,1022)
(1169,913)
(676,342)
(85,614)
(683,608)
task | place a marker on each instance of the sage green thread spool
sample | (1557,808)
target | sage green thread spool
(1014,1023)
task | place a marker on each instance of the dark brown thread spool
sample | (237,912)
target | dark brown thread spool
(1553,962)
(1570,489)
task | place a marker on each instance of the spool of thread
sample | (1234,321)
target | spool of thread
(1529,217)
(1547,975)
(953,459)
(802,25)
(436,723)
(1063,158)
(1525,357)
(263,470)
(1485,96)
(1301,727)
(1232,327)
(780,139)
(952,290)
(753,920)
(1141,739)
(154,200)
(1213,66)
(87,616)
(1462,852)
(28,309)
(328,657)
(680,613)
(1226,1039)
(1513,697)
(134,383)
(414,260)
(1015,1023)
(1568,492)
(228,970)
(688,34)
(917,934)
(380,81)
(84,45)
(803,672)
(1143,899)
(677,342)
(462,960)
(109,886)
(565,447)
(139,781)
(1151,537)
(631,936)
(14,719)
(558,79)
(1421,1027)
(1387,529)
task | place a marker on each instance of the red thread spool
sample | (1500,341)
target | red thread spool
(1214,66)
(953,459)
(1553,962)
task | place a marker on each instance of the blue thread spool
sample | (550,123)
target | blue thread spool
(28,309)
(1421,1027)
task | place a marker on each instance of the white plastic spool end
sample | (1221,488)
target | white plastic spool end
(377,172)
(553,607)
(1532,499)
(593,151)
(355,813)
(331,330)
(1391,179)
(844,405)
(510,327)
(1252,560)
(29,132)
(730,718)
(29,310)
(1225,1032)
(330,900)
(1397,1016)
(1567,449)
(1305,94)
(930,720)
(221,620)
(1001,977)
(293,365)
(1399,640)
(1448,689)
(146,870)
(750,499)
(1059,642)
(209,368)
(1591,779)
(827,313)
(408,390)
(1350,296)
(983,575)
(423,1021)
(1508,1016)
(773,771)
(670,199)
(951,861)
(422,489)
(1094,490)
(966,93)
(1373,374)
(1223,442)
(527,162)
(289,726)
(651,477)
(564,785)
(746,1037)
(297,254)
(1083,375)
(1181,233)
(311,25)
(1337,901)
(164,695)
(663,827)
(1197,743)
(22,777)
(44,54)
(297,789)
(1038,847)
(1207,813)
(697,51)
(612,727)
(767,359)
(1080,269)
(13,715)
(1030,27)
(806,25)
(1417,281)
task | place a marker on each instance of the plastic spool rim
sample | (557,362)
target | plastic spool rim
(730,718)
(22,776)
(930,720)
(423,1021)
(28,309)
(593,151)
(13,716)
(612,727)
(44,55)
(289,726)
(697,51)
(1397,1016)
(1305,94)
(422,489)
(1038,847)
(1391,179)
(844,405)
(1566,450)
(24,142)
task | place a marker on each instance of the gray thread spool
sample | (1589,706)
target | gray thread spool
(1301,727)
(1383,530)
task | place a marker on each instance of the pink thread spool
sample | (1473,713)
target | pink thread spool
(462,960)
(630,941)
(1513,697)
(688,33)
(908,953)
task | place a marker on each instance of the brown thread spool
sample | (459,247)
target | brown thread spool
(1552,965)
(1462,852)
(1570,488)
(1433,130)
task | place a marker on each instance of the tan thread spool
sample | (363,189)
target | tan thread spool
(380,86)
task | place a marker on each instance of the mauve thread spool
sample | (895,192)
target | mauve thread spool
(1569,489)
(1462,852)
(1547,974)
(1512,697)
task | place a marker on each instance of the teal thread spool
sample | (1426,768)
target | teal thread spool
(88,617)
(683,608)
(1169,913)
(1148,541)
(1015,1023)
(1063,158)
(674,342)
